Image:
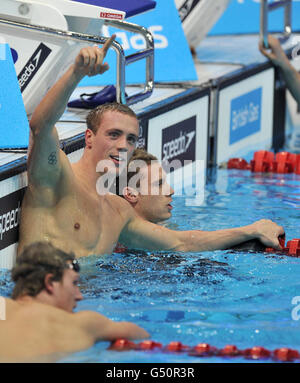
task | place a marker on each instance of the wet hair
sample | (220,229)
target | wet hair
(139,154)
(93,119)
(36,261)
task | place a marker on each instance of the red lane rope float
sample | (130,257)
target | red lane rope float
(292,247)
(283,354)
(238,163)
(266,162)
(263,161)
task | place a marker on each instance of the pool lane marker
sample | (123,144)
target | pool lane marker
(267,162)
(291,249)
(283,354)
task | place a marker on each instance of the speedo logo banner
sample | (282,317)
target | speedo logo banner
(143,135)
(186,8)
(10,210)
(179,142)
(245,116)
(33,65)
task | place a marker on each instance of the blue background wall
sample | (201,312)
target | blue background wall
(242,16)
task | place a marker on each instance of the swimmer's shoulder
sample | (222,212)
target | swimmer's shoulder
(120,205)
(9,307)
(7,301)
(43,193)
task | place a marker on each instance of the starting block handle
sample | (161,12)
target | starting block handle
(123,61)
(265,8)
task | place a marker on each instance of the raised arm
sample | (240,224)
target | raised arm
(100,327)
(279,58)
(45,160)
(139,233)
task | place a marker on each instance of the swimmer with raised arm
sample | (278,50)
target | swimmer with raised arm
(279,59)
(39,324)
(62,204)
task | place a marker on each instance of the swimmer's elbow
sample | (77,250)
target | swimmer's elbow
(190,241)
(180,243)
(180,246)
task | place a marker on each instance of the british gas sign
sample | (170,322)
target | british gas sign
(245,115)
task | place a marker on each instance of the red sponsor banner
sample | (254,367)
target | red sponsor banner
(110,15)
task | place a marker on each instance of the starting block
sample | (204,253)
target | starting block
(46,35)
(198,17)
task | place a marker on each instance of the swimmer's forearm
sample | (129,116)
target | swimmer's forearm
(103,328)
(264,230)
(292,78)
(128,330)
(197,240)
(122,330)
(53,105)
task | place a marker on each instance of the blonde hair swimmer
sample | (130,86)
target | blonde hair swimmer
(62,204)
(39,325)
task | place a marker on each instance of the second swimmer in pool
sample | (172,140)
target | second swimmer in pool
(150,195)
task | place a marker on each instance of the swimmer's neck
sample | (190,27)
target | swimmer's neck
(42,297)
(25,299)
(86,173)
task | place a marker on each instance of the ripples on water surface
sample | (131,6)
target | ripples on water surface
(217,297)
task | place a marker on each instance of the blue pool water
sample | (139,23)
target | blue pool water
(217,297)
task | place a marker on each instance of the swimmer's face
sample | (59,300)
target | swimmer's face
(114,141)
(154,200)
(67,291)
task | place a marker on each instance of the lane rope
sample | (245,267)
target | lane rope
(283,354)
(267,162)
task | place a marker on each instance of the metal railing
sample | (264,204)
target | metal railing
(147,53)
(122,60)
(265,8)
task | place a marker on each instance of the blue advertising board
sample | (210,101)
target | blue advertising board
(245,115)
(14,123)
(173,61)
(242,16)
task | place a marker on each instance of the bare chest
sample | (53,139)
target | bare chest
(88,222)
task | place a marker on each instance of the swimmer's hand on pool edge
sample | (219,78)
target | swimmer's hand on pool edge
(267,232)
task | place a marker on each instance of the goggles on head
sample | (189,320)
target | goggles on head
(74,265)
